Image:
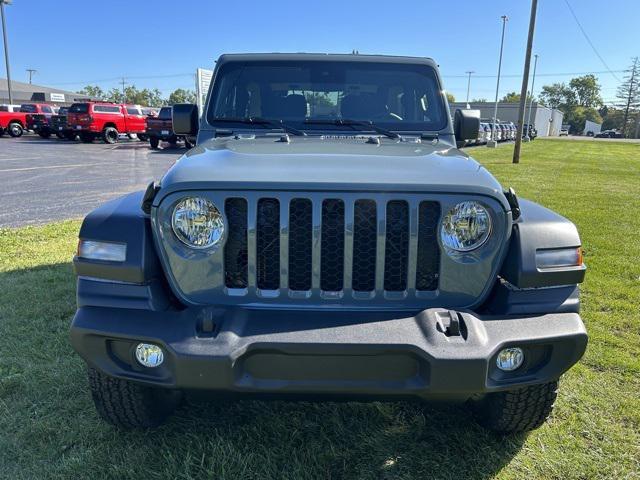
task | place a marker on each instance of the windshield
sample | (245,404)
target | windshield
(396,96)
(27,108)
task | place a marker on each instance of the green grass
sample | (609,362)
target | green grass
(48,427)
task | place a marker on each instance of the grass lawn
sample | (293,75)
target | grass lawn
(49,429)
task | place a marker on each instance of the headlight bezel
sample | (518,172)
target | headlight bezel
(182,237)
(482,240)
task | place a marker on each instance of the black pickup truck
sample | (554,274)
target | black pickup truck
(60,126)
(161,128)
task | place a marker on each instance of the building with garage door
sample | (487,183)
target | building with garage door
(547,121)
(29,93)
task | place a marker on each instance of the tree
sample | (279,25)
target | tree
(577,116)
(93,92)
(586,90)
(557,95)
(146,97)
(450,97)
(513,97)
(613,118)
(629,96)
(181,95)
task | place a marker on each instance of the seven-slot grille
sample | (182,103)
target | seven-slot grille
(365,246)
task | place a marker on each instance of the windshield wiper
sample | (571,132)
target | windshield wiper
(354,123)
(263,121)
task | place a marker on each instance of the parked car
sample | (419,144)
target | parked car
(12,123)
(160,128)
(504,132)
(608,134)
(91,120)
(38,118)
(564,131)
(316,255)
(484,134)
(60,126)
(497,131)
(533,133)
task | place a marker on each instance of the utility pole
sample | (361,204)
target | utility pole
(124,98)
(525,81)
(493,143)
(31,72)
(533,82)
(6,47)
(469,83)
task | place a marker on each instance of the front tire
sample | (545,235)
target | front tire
(44,134)
(154,142)
(516,411)
(129,405)
(15,130)
(110,135)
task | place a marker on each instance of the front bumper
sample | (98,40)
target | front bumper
(336,353)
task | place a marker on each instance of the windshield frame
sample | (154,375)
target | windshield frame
(441,125)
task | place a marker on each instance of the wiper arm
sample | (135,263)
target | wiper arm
(262,121)
(353,123)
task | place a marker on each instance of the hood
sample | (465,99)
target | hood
(328,163)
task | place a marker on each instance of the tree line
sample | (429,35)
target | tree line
(581,100)
(133,95)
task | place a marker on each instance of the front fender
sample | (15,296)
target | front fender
(121,220)
(540,228)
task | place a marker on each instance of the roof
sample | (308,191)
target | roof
(335,57)
(24,92)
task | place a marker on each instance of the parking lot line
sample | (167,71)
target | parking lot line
(49,167)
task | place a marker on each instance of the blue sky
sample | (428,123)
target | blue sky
(72,43)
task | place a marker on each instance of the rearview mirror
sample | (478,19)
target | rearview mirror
(466,124)
(185,119)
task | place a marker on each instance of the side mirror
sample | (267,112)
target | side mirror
(185,119)
(466,124)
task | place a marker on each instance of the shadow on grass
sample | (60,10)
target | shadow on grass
(222,439)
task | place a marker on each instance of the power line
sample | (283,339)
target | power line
(589,40)
(519,75)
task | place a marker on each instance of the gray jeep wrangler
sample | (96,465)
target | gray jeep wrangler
(325,239)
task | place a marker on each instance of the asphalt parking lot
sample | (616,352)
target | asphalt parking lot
(46,180)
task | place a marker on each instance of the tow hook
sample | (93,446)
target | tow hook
(450,323)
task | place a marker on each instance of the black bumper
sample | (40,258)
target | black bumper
(343,353)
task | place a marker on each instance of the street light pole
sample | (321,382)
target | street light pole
(6,47)
(493,143)
(525,81)
(469,83)
(533,83)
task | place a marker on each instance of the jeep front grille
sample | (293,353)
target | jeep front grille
(364,247)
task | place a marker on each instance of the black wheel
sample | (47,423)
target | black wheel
(1,131)
(110,135)
(143,137)
(60,135)
(519,410)
(70,135)
(154,142)
(173,141)
(44,134)
(86,137)
(188,144)
(15,130)
(129,405)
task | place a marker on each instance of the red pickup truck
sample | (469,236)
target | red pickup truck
(15,123)
(106,120)
(161,128)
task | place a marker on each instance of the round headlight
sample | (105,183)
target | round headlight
(197,222)
(465,227)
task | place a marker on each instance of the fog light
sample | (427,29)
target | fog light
(149,355)
(510,359)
